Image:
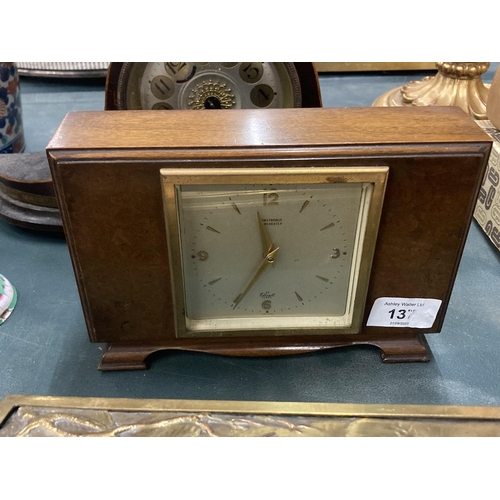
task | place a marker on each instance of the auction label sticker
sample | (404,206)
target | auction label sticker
(397,312)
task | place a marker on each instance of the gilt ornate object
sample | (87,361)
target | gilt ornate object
(456,84)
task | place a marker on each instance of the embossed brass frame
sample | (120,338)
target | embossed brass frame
(183,418)
(370,213)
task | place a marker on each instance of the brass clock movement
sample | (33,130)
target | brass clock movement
(266,231)
(211,85)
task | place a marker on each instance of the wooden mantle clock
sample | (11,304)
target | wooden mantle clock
(266,232)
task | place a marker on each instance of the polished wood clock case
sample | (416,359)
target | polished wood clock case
(110,170)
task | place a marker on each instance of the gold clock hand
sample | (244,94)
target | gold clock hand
(263,266)
(267,244)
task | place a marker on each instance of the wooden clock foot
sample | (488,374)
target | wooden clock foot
(404,350)
(117,357)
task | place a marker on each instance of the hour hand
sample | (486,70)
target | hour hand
(263,267)
(267,244)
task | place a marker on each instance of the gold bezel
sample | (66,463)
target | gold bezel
(173,177)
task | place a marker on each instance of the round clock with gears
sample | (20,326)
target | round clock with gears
(211,85)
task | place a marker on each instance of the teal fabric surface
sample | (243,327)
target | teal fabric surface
(44,347)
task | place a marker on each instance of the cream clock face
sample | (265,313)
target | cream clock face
(209,85)
(277,256)
(292,244)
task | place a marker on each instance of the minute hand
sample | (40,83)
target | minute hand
(263,266)
(267,244)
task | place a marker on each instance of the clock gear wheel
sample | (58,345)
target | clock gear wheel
(211,95)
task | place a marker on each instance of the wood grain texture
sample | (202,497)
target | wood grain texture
(348,67)
(297,128)
(105,167)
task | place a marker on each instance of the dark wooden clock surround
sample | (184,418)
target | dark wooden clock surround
(105,166)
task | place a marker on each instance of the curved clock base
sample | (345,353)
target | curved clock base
(400,349)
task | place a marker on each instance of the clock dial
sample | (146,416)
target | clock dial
(208,85)
(286,255)
(280,257)
(268,250)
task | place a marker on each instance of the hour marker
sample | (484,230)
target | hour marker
(336,253)
(236,207)
(304,205)
(299,297)
(321,278)
(328,226)
(213,281)
(202,255)
(210,228)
